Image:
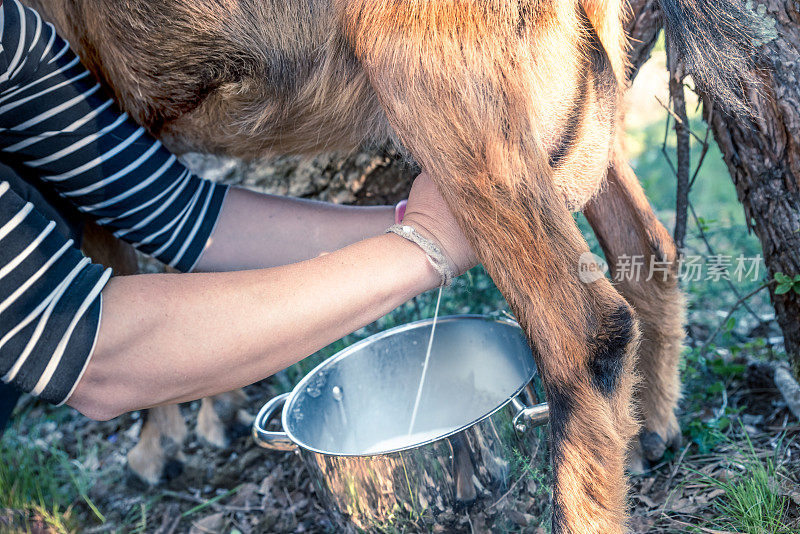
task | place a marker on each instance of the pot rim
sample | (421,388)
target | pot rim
(375,337)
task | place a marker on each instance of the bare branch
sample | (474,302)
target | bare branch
(678,119)
(704,146)
(736,305)
(712,252)
(683,146)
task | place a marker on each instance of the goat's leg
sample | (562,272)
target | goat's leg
(626,226)
(158,456)
(462,83)
(223,417)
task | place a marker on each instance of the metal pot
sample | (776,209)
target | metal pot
(349,420)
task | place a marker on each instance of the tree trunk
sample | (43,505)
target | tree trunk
(763,156)
(764,161)
(368,177)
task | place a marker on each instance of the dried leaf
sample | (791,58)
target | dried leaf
(246,497)
(647,501)
(211,524)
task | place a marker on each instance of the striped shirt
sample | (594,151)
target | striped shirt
(57,125)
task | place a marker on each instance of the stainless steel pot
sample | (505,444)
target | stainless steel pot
(349,420)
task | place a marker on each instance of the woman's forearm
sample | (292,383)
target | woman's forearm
(171,338)
(255,230)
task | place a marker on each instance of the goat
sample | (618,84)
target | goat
(513,108)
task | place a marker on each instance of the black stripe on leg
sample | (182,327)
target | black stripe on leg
(560,401)
(605,82)
(609,348)
(569,134)
(596,69)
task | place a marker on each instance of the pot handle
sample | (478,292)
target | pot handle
(529,416)
(276,441)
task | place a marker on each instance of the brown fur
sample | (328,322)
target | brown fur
(470,106)
(625,224)
(511,107)
(100,245)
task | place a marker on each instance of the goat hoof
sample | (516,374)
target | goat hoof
(214,435)
(219,432)
(147,470)
(653,446)
(143,469)
(239,430)
(140,480)
(172,470)
(135,481)
(675,441)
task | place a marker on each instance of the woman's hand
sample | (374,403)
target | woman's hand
(429,214)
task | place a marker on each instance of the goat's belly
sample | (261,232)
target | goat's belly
(582,177)
(579,173)
(323,116)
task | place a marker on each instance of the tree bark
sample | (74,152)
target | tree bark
(762,155)
(370,176)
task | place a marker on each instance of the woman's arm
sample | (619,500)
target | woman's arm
(174,337)
(255,230)
(171,338)
(57,124)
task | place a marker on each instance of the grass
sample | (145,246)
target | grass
(751,502)
(39,484)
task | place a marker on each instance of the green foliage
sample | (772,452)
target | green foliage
(726,369)
(705,224)
(710,369)
(707,435)
(787,283)
(707,377)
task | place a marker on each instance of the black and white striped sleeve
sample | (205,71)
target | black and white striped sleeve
(56,122)
(49,305)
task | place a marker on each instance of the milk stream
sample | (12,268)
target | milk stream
(425,366)
(337,396)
